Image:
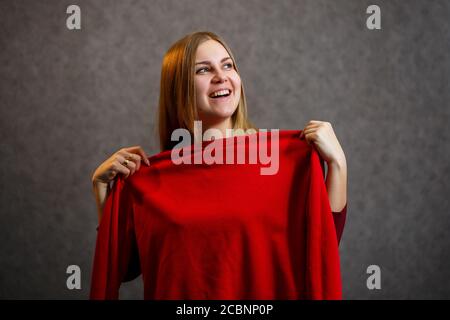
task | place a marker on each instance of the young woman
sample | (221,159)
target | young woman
(194,69)
(226,234)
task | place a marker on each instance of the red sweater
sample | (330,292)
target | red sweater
(222,231)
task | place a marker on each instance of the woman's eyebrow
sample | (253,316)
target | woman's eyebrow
(208,62)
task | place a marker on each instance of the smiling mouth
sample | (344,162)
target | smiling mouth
(220,98)
(220,94)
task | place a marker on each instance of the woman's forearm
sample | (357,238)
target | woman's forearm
(100,192)
(336,183)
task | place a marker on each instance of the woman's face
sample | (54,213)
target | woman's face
(217,84)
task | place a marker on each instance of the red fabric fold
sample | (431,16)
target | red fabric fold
(222,231)
(339,222)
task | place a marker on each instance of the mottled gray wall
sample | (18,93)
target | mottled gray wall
(69,99)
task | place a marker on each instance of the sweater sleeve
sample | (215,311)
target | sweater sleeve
(116,249)
(323,278)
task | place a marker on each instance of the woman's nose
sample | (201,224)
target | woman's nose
(219,77)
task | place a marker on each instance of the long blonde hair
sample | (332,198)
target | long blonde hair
(177,99)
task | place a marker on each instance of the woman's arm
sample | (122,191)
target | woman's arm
(101,191)
(336,183)
(321,135)
(125,161)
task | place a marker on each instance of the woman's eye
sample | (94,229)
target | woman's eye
(228,66)
(202,70)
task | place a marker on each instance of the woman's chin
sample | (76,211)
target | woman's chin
(217,117)
(223,115)
(221,111)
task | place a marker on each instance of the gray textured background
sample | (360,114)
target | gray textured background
(69,99)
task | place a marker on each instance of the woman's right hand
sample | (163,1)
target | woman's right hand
(126,161)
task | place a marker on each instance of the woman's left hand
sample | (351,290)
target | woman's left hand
(322,137)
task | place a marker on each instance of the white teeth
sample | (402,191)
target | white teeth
(220,93)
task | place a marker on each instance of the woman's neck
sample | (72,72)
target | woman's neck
(222,126)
